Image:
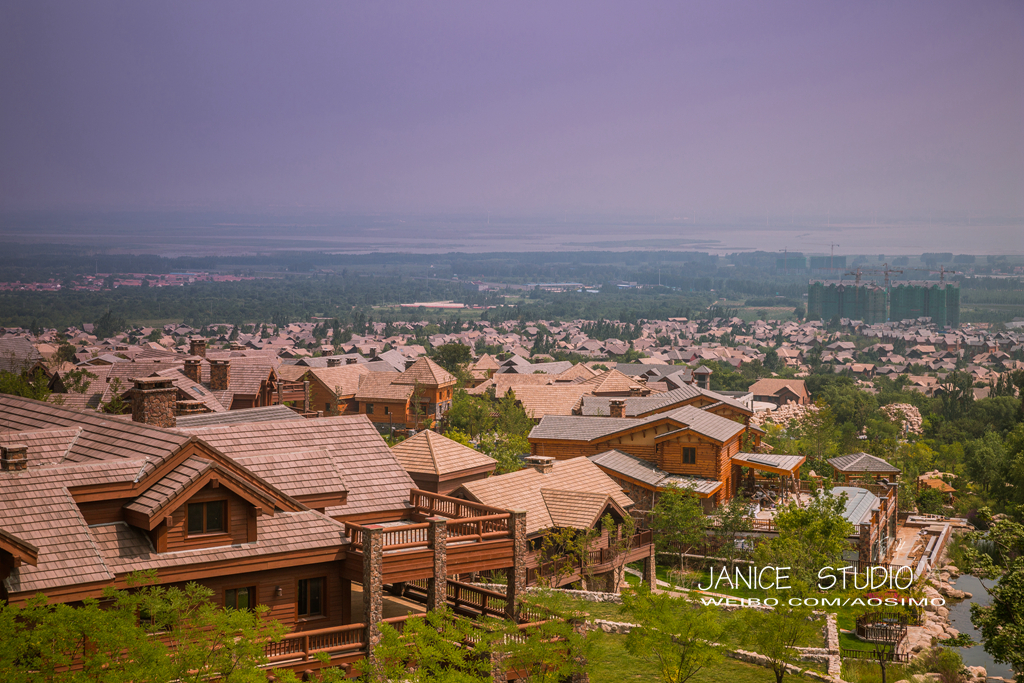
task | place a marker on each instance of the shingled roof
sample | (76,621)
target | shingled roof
(581,428)
(431,453)
(863,462)
(645,472)
(374,478)
(427,373)
(381,386)
(342,380)
(524,491)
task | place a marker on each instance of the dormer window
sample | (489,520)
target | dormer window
(207,518)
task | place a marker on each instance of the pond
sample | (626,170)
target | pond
(960,617)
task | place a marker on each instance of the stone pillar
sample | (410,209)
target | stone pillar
(153,401)
(437,586)
(650,573)
(373,587)
(498,674)
(194,369)
(13,457)
(220,375)
(515,575)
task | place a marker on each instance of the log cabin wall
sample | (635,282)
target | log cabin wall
(240,523)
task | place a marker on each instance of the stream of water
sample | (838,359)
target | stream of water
(960,617)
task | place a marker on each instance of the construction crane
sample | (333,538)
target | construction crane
(885,270)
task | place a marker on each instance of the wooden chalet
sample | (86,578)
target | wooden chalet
(558,495)
(413,399)
(691,442)
(780,391)
(291,514)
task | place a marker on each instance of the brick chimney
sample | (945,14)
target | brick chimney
(153,401)
(197,347)
(220,375)
(617,407)
(541,463)
(333,362)
(13,458)
(194,369)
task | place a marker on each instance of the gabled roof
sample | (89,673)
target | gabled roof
(863,462)
(772,386)
(770,462)
(612,381)
(301,474)
(17,354)
(342,380)
(485,362)
(45,446)
(539,401)
(859,504)
(373,476)
(523,490)
(577,509)
(262,414)
(431,453)
(425,372)
(579,371)
(580,428)
(645,472)
(381,386)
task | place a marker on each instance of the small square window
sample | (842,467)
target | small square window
(240,598)
(206,518)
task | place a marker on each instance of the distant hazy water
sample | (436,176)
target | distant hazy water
(173,233)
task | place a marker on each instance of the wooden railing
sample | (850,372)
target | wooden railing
(597,559)
(415,536)
(484,600)
(434,504)
(889,656)
(347,638)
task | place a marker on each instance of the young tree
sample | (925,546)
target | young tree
(776,634)
(620,542)
(728,522)
(678,634)
(678,521)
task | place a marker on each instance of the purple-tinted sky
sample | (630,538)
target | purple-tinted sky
(722,108)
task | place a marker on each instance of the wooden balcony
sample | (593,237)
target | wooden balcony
(597,561)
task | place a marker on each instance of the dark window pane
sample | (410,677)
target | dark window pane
(231,598)
(195,518)
(315,595)
(215,516)
(243,598)
(303,597)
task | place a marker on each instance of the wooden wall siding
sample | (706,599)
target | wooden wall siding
(104,511)
(707,459)
(337,593)
(241,523)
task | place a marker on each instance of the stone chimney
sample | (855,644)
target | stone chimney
(194,369)
(220,375)
(541,463)
(153,401)
(13,458)
(333,362)
(617,407)
(190,408)
(197,347)
(351,361)
(636,391)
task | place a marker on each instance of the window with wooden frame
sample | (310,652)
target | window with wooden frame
(240,598)
(387,410)
(689,455)
(207,518)
(310,602)
(369,409)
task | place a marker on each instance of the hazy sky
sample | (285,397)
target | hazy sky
(722,108)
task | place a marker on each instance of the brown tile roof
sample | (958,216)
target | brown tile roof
(374,477)
(504,381)
(342,380)
(771,386)
(576,509)
(305,473)
(539,401)
(646,472)
(612,381)
(379,386)
(485,362)
(262,414)
(170,486)
(578,371)
(291,373)
(427,373)
(45,446)
(17,354)
(863,462)
(583,428)
(523,490)
(430,453)
(124,549)
(103,437)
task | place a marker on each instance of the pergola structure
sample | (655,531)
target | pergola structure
(786,466)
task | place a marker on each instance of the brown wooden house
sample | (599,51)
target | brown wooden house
(414,399)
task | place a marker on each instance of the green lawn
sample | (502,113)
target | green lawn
(611,663)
